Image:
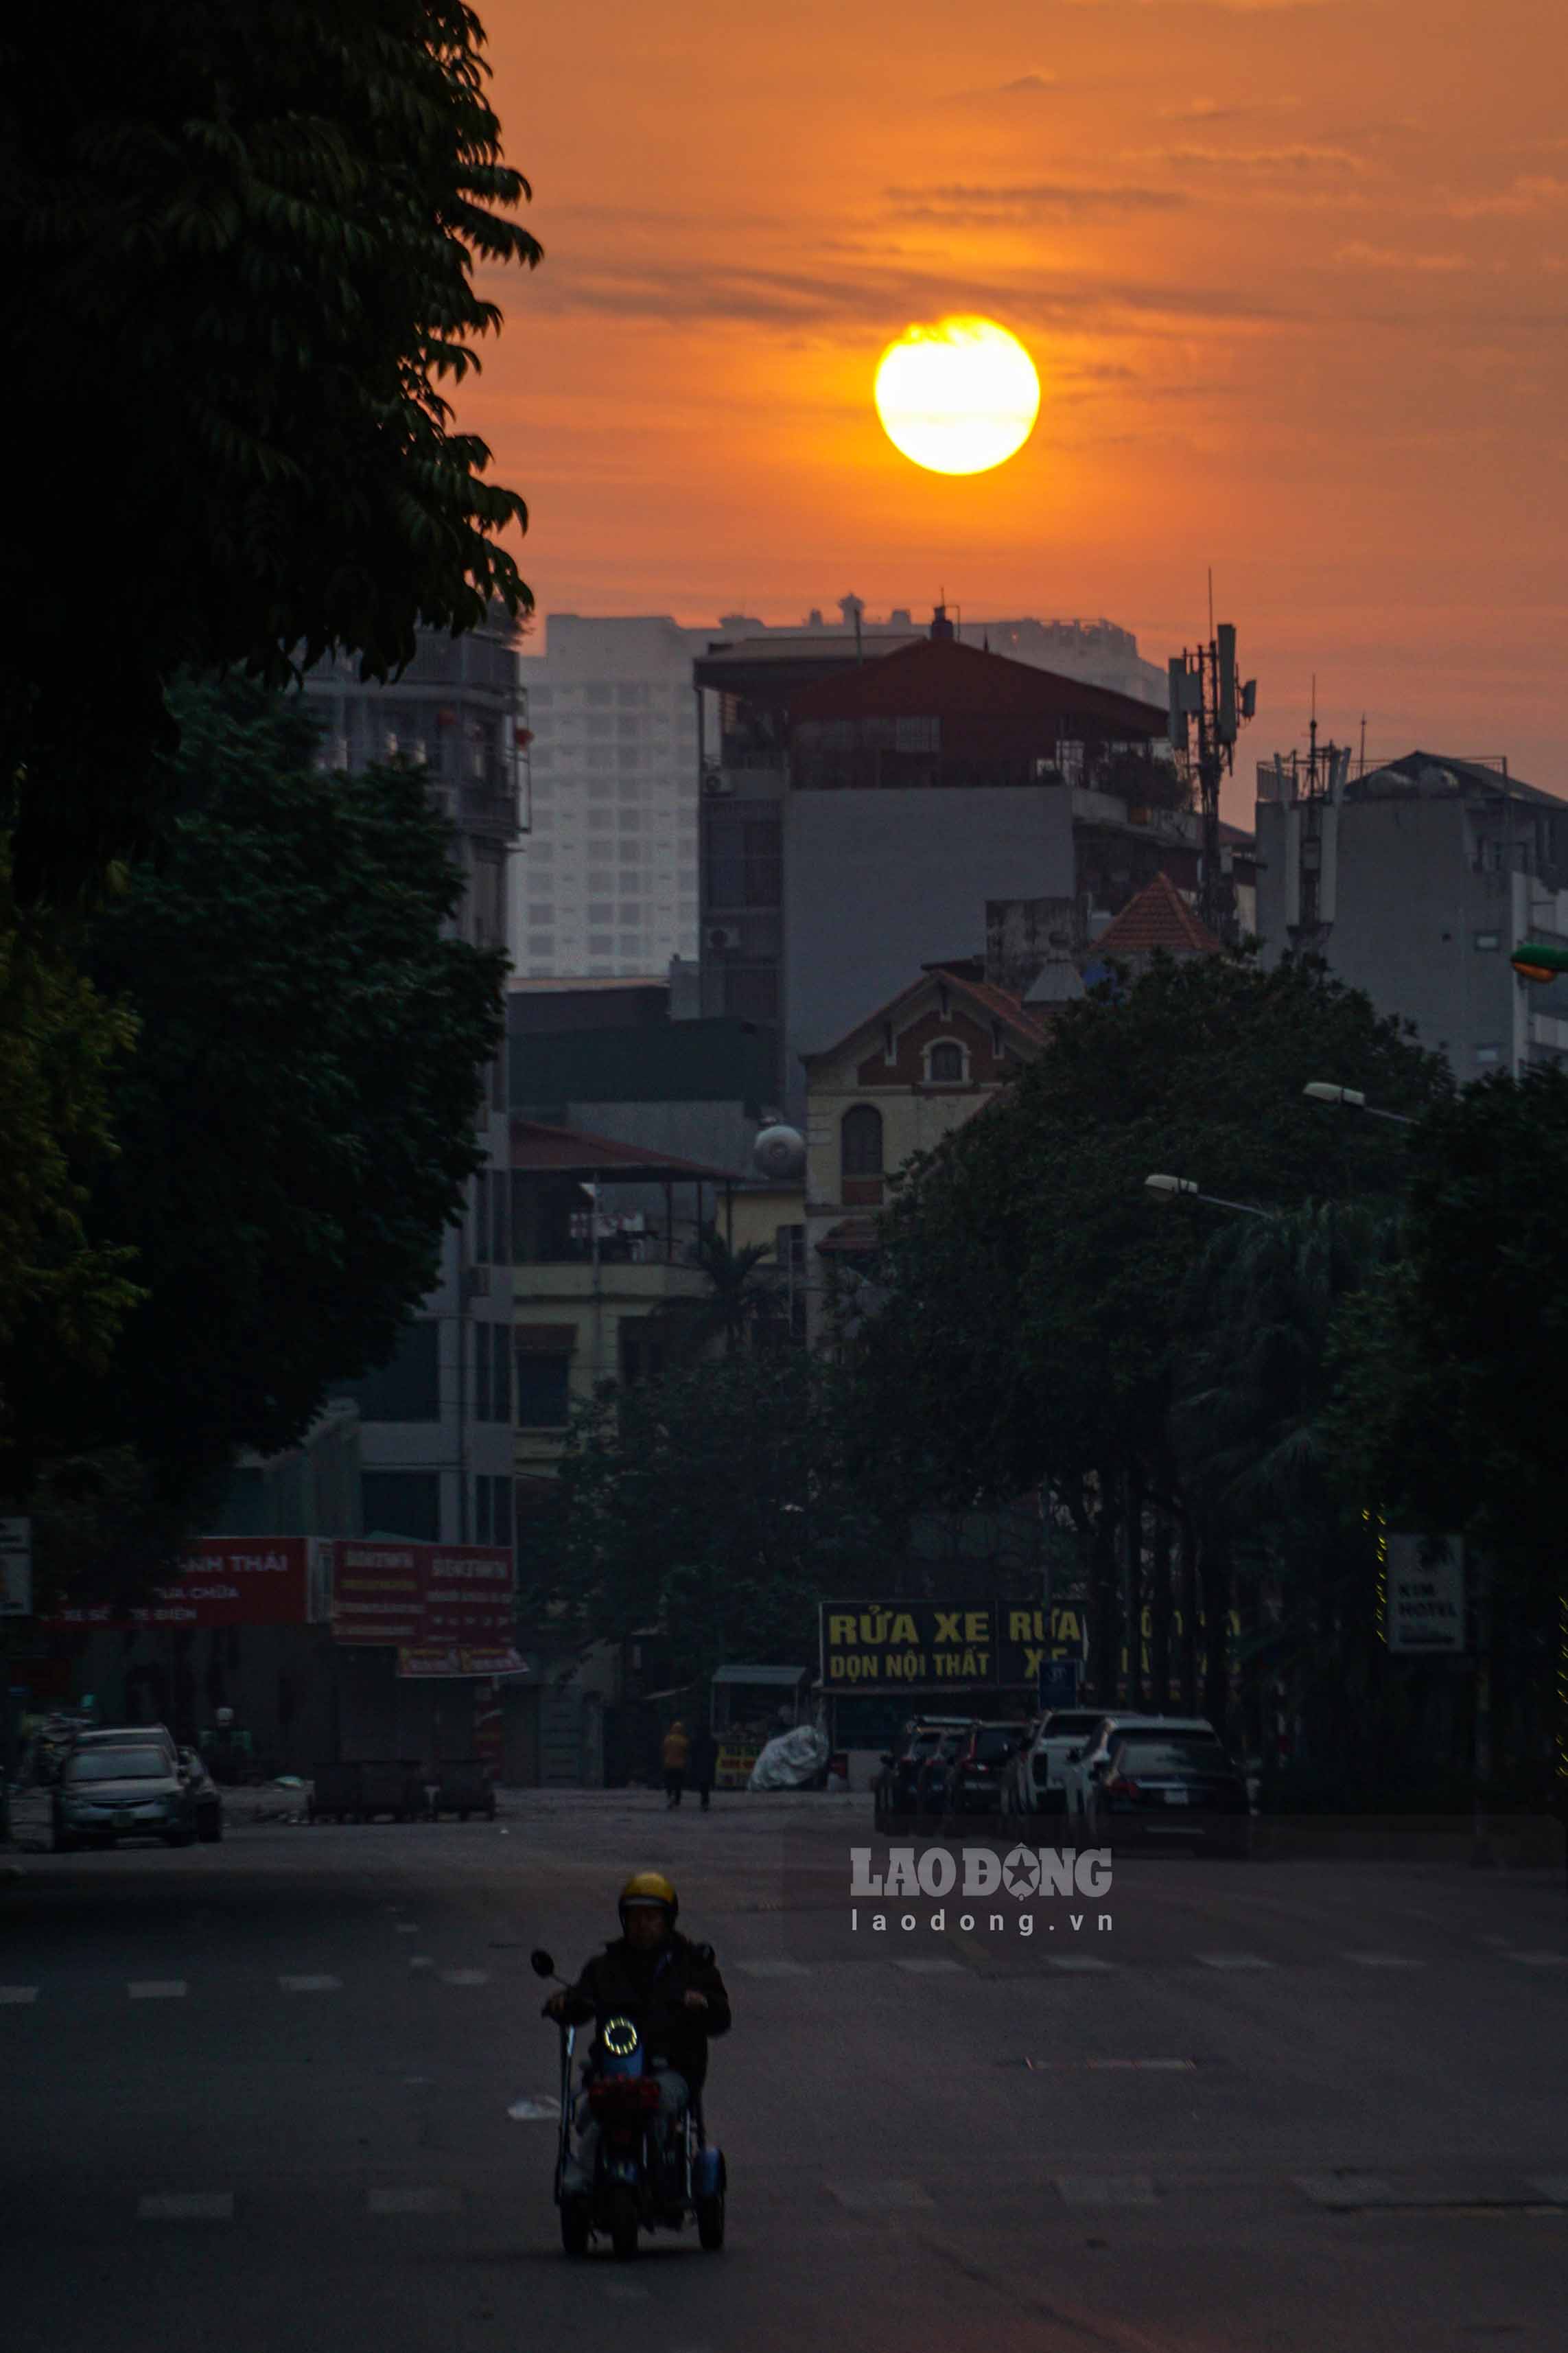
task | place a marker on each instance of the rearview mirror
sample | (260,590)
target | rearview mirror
(540,1962)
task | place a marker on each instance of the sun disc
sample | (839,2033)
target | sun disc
(957,398)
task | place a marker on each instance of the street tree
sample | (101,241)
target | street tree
(1035,1318)
(297,1123)
(247,248)
(713,1501)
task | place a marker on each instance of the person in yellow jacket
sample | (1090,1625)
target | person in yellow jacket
(674,1752)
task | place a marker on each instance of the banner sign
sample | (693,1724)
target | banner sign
(217,1581)
(1426,1596)
(416,1660)
(892,1645)
(425,1596)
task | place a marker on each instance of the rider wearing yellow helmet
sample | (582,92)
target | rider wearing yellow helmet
(668,1987)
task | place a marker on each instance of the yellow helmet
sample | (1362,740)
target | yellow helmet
(649,1887)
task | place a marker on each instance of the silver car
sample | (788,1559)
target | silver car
(107,1793)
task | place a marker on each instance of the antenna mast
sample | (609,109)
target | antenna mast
(1205,688)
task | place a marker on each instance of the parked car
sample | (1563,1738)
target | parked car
(107,1793)
(893,1790)
(206,1794)
(1156,1791)
(129,1735)
(933,1782)
(1082,1765)
(1033,1782)
(981,1765)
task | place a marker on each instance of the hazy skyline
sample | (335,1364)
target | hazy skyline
(1293,273)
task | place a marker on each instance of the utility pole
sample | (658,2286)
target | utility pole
(1206,692)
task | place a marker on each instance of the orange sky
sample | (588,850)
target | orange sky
(1294,273)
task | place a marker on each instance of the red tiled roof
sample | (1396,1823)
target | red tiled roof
(994,1000)
(1158,917)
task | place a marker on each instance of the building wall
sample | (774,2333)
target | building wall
(609,875)
(1406,916)
(878,883)
(455,710)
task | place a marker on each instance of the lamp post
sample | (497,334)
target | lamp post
(1169,1187)
(1351,1099)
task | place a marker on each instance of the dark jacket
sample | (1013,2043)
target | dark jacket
(704,1758)
(648,1988)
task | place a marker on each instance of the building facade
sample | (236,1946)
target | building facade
(1415,882)
(435,1438)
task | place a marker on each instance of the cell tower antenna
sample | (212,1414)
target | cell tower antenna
(1211,600)
(1209,697)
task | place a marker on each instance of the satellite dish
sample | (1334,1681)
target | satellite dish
(779,1152)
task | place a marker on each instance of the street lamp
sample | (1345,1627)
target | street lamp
(1351,1099)
(1167,1187)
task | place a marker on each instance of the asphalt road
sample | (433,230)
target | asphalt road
(257,2096)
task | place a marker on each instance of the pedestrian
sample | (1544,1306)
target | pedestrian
(674,1752)
(704,1758)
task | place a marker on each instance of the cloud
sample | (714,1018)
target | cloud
(1526,196)
(1223,7)
(1027,85)
(968,204)
(1376,257)
(1301,158)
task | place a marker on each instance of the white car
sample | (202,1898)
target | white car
(1034,1784)
(1086,1762)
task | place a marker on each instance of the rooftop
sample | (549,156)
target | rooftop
(1158,917)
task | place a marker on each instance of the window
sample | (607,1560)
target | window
(596,696)
(1488,940)
(500,1239)
(500,1370)
(945,1065)
(402,1503)
(601,911)
(493,1509)
(542,1391)
(481,1369)
(406,1389)
(1488,1053)
(861,1141)
(482,1218)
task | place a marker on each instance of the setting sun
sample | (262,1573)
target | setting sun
(959,397)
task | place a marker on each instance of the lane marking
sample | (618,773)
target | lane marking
(1079,1963)
(420,1961)
(311,1985)
(1104,2188)
(406,1928)
(773,1970)
(879,2196)
(1383,1961)
(413,2202)
(535,2112)
(938,1967)
(1232,1961)
(1541,1960)
(157,1988)
(1552,2186)
(191,2206)
(12,1996)
(465,1977)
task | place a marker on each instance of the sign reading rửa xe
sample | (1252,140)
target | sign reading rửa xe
(903,1645)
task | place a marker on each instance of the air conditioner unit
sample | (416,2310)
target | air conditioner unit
(722,935)
(715,781)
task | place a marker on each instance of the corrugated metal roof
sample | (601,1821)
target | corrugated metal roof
(567,1152)
(940,675)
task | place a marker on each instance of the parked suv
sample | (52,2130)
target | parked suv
(1034,1784)
(974,1785)
(1087,1763)
(1158,1791)
(893,1790)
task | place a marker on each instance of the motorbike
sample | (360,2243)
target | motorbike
(636,2185)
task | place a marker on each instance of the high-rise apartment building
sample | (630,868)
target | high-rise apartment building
(435,1425)
(607,883)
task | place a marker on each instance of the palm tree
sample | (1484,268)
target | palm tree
(737,1298)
